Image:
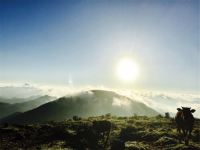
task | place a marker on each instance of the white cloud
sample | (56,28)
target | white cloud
(160,101)
(167,101)
(120,102)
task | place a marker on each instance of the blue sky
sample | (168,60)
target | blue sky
(51,41)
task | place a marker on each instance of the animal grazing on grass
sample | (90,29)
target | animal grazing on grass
(184,121)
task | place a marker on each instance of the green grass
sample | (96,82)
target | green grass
(130,133)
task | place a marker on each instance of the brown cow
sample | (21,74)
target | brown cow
(185,121)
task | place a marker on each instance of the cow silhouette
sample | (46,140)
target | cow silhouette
(184,121)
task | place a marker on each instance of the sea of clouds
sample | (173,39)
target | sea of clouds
(158,100)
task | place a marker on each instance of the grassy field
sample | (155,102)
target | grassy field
(129,133)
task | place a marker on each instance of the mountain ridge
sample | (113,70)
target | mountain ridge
(89,103)
(7,108)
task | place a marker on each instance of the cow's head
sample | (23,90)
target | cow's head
(187,111)
(179,109)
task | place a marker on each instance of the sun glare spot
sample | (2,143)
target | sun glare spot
(127,70)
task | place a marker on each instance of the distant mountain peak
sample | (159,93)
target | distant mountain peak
(89,103)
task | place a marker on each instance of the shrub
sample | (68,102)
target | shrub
(76,118)
(117,144)
(129,133)
(108,115)
(159,116)
(86,137)
(167,115)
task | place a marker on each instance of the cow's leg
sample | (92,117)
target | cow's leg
(179,134)
(184,137)
(188,137)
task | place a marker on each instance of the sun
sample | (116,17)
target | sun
(127,69)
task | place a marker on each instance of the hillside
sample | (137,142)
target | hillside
(127,133)
(7,108)
(90,103)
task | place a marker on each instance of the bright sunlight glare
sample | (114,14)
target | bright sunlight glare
(127,69)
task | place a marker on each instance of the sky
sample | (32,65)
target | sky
(79,42)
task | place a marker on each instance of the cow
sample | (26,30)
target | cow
(184,121)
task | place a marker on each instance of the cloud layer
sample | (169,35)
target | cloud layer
(160,101)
